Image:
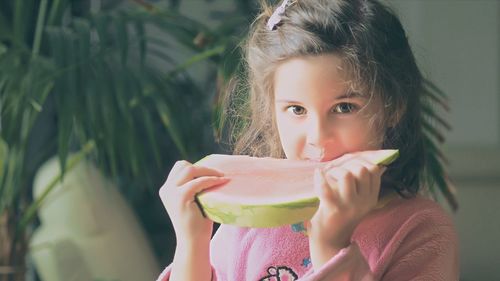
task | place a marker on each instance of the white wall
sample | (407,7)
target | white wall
(457,45)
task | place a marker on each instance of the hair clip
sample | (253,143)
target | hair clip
(276,16)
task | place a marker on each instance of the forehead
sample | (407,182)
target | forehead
(323,74)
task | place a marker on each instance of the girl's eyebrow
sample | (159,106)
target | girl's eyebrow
(348,95)
(287,101)
(351,95)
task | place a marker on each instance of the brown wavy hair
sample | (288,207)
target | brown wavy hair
(374,49)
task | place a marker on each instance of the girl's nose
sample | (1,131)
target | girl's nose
(318,133)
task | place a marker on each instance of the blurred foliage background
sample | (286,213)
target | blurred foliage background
(130,84)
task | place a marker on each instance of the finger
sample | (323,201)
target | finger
(376,172)
(364,173)
(377,180)
(193,187)
(178,166)
(191,172)
(324,190)
(346,183)
(376,169)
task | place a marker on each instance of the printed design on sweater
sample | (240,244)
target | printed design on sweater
(280,273)
(306,262)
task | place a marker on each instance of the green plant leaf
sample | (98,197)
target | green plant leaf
(197,58)
(141,35)
(182,29)
(440,178)
(61,44)
(37,41)
(5,26)
(122,37)
(3,49)
(165,115)
(436,173)
(9,189)
(433,89)
(82,31)
(431,131)
(56,12)
(434,94)
(434,151)
(21,12)
(150,133)
(101,23)
(4,154)
(431,114)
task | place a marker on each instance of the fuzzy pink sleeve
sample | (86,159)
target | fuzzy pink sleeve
(165,275)
(416,240)
(427,255)
(430,254)
(348,264)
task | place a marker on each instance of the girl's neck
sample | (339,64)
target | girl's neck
(386,197)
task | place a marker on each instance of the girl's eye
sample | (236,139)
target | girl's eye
(297,110)
(344,108)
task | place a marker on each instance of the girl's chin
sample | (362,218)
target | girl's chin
(323,159)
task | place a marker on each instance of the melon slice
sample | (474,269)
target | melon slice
(267,192)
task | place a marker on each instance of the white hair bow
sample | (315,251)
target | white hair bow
(276,16)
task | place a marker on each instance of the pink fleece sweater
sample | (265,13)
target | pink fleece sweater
(408,239)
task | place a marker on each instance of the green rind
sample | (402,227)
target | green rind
(388,159)
(260,215)
(268,215)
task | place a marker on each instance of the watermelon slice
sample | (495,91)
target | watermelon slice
(267,192)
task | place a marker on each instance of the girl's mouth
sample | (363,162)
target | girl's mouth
(313,153)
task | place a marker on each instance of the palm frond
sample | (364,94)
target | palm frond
(94,73)
(436,174)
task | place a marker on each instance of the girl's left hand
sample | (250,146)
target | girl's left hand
(348,189)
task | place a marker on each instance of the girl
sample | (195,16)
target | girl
(326,78)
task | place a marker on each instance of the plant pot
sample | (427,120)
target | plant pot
(12,273)
(12,251)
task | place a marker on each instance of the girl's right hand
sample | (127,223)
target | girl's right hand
(178,196)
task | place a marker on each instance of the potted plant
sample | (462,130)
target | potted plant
(101,85)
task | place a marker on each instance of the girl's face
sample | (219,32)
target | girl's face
(318,116)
